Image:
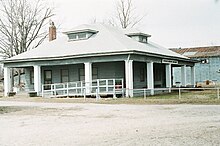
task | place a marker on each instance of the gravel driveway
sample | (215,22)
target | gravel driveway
(56,124)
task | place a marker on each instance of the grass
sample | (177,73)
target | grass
(187,97)
(7,109)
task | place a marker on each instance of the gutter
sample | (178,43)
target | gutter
(97,55)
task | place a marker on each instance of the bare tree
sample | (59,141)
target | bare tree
(126,15)
(22,25)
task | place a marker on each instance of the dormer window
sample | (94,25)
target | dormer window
(140,37)
(80,34)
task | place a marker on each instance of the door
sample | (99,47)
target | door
(47,78)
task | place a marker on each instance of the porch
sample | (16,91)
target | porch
(80,77)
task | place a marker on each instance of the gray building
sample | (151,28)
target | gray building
(97,58)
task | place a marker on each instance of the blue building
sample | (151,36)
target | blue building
(207,67)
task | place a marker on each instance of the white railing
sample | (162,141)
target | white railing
(80,88)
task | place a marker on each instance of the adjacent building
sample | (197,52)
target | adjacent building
(207,67)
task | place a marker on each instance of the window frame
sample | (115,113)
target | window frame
(81,76)
(62,75)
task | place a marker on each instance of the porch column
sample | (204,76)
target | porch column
(129,77)
(6,81)
(193,76)
(183,75)
(88,76)
(37,79)
(168,77)
(150,77)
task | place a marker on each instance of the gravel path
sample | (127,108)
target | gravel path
(56,124)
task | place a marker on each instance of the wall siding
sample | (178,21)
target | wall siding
(203,72)
(106,70)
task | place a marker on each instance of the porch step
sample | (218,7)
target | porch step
(21,94)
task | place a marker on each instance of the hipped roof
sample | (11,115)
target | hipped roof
(108,39)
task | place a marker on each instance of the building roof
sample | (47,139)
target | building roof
(199,52)
(108,39)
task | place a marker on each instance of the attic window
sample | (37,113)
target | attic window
(140,37)
(80,34)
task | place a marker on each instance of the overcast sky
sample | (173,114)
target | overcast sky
(172,23)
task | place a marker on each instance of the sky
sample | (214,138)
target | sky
(172,23)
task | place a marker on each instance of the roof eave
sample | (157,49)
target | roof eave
(98,54)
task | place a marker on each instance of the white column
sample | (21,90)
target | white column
(193,76)
(37,79)
(6,81)
(88,76)
(129,77)
(150,77)
(168,77)
(183,75)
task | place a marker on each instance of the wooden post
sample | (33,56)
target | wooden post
(144,94)
(218,93)
(67,89)
(106,81)
(84,94)
(42,91)
(51,89)
(179,93)
(55,90)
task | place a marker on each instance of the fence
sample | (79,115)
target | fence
(199,92)
(81,88)
(179,92)
(114,87)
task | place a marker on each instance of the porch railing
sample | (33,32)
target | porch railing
(81,88)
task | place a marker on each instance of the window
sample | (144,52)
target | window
(81,74)
(31,76)
(47,78)
(64,75)
(95,73)
(142,75)
(82,35)
(144,40)
(72,36)
(79,36)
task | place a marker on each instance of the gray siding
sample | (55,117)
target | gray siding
(56,72)
(137,66)
(106,70)
(109,70)
(177,75)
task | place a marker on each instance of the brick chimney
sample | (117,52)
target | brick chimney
(52,31)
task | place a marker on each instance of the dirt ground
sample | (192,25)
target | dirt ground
(56,124)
